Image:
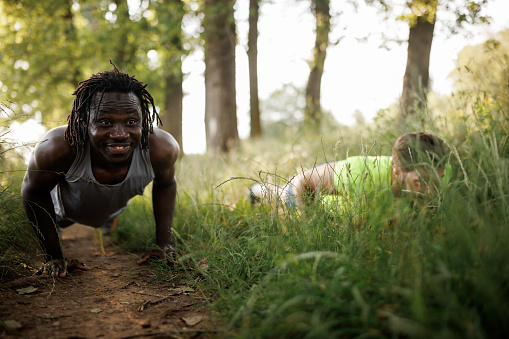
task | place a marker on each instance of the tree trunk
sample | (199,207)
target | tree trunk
(123,19)
(71,43)
(252,54)
(416,79)
(312,114)
(220,95)
(172,13)
(172,117)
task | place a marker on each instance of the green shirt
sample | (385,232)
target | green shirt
(357,179)
(357,175)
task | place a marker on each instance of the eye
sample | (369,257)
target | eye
(104,122)
(132,122)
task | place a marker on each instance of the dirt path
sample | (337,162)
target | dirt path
(115,299)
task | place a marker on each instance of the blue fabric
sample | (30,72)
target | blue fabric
(291,200)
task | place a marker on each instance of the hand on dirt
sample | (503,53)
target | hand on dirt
(164,253)
(56,267)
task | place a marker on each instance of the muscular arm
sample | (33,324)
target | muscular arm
(51,158)
(164,152)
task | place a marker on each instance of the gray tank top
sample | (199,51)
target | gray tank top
(80,198)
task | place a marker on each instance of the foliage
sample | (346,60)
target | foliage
(18,245)
(482,71)
(285,104)
(464,12)
(46,48)
(394,269)
(38,43)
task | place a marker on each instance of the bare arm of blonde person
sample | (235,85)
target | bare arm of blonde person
(309,184)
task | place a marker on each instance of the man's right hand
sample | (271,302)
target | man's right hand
(56,268)
(164,253)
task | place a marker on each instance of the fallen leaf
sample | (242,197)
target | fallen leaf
(12,324)
(96,310)
(182,289)
(203,264)
(27,290)
(191,321)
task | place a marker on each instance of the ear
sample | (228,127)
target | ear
(395,171)
(395,181)
(416,183)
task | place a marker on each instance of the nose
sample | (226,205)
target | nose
(119,132)
(422,186)
(416,183)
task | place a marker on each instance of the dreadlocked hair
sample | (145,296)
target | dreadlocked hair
(108,81)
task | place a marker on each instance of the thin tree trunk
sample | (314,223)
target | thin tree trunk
(122,19)
(220,95)
(416,79)
(312,114)
(72,42)
(252,54)
(172,117)
(172,12)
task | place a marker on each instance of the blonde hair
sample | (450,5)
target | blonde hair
(419,149)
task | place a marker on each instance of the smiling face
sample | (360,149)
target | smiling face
(419,182)
(114,128)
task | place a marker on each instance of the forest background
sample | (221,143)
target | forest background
(362,74)
(385,271)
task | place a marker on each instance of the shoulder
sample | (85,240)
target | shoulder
(164,149)
(51,157)
(53,152)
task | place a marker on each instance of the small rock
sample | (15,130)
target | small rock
(56,324)
(203,264)
(191,321)
(146,324)
(27,290)
(184,289)
(12,324)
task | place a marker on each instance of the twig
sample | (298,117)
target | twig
(152,295)
(131,283)
(165,333)
(149,302)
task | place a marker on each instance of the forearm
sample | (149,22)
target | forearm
(163,202)
(41,214)
(303,192)
(313,182)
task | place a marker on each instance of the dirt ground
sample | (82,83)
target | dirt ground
(115,299)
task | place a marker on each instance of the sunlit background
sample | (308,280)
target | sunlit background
(360,74)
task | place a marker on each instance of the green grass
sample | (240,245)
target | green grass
(392,269)
(19,251)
